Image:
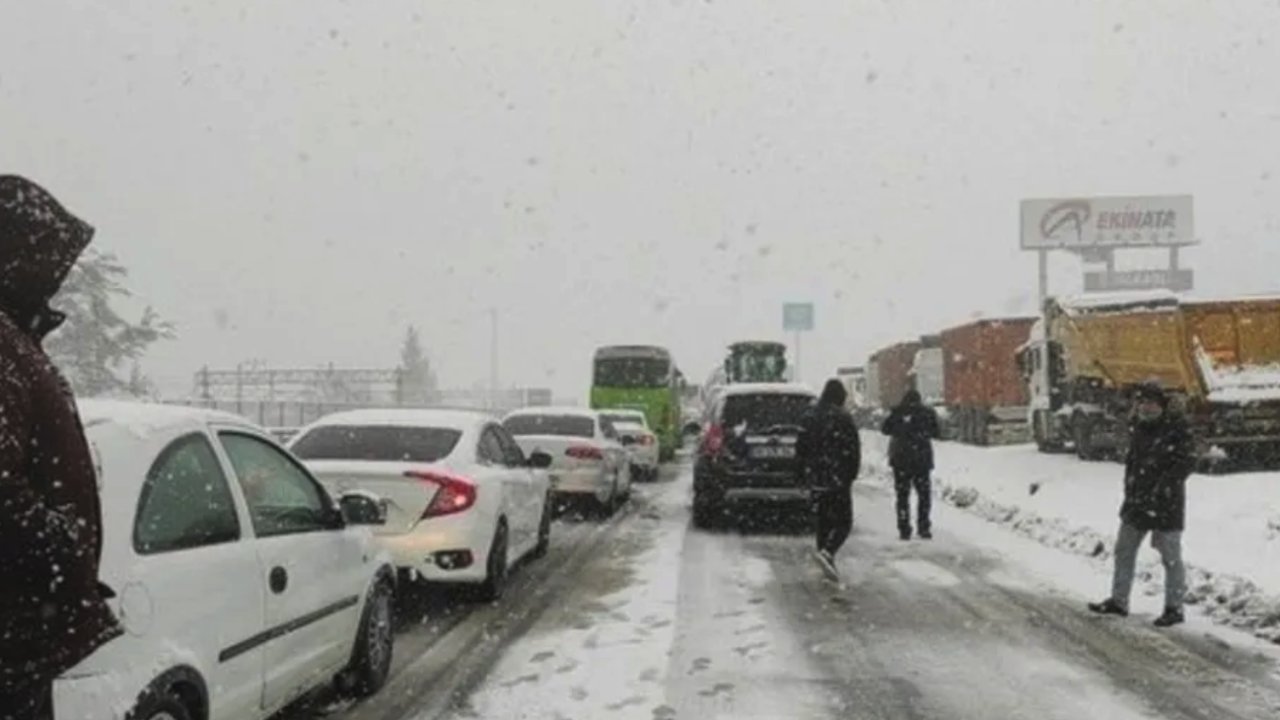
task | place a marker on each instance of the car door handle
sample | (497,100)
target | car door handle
(278,579)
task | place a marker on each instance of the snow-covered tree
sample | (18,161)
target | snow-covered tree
(417,380)
(98,349)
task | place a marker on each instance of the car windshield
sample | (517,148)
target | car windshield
(614,360)
(566,425)
(376,442)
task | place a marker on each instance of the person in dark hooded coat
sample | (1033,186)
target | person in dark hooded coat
(912,427)
(829,455)
(1161,458)
(52,608)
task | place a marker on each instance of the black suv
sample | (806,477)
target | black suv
(748,450)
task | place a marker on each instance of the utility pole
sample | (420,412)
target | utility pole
(493,359)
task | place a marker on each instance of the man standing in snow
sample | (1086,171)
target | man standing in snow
(911,428)
(1161,457)
(52,612)
(829,454)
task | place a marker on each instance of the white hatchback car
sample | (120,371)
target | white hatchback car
(463,502)
(241,584)
(641,442)
(587,457)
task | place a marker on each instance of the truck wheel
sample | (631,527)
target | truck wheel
(1082,427)
(1040,431)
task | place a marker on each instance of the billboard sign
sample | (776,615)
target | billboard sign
(797,317)
(1175,280)
(1087,224)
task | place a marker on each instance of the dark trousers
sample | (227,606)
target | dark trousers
(835,518)
(903,482)
(33,702)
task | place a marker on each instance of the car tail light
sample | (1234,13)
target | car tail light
(455,495)
(585,452)
(646,439)
(713,441)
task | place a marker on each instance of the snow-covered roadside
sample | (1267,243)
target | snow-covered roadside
(1232,543)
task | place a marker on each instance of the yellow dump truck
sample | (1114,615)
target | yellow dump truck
(1220,359)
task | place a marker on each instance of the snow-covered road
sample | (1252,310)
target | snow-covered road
(652,619)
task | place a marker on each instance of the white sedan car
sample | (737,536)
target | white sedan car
(587,457)
(464,504)
(641,443)
(241,584)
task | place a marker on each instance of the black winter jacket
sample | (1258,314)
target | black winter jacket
(1161,458)
(828,451)
(911,427)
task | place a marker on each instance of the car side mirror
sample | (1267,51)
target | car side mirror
(363,509)
(539,460)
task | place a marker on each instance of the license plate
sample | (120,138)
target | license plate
(780,451)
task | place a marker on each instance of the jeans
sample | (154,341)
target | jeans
(835,518)
(1169,545)
(903,482)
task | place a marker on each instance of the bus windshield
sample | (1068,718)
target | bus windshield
(632,372)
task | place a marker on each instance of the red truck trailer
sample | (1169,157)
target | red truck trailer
(889,370)
(985,393)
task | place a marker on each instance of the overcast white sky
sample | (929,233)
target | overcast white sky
(297,181)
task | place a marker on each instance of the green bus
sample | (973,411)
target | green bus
(640,377)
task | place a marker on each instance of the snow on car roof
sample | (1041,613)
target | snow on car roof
(456,419)
(767,389)
(558,410)
(144,418)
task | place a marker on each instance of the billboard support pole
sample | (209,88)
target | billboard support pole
(1044,276)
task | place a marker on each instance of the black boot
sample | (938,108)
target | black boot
(904,533)
(1171,617)
(1109,607)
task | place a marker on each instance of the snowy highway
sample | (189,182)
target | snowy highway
(646,617)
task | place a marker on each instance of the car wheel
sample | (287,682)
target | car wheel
(375,641)
(544,530)
(160,706)
(495,581)
(607,506)
(626,494)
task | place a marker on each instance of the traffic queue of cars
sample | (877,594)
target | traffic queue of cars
(247,575)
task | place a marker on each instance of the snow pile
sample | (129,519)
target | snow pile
(1246,384)
(1232,544)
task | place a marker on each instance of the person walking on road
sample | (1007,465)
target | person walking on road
(1161,458)
(912,427)
(829,455)
(52,608)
